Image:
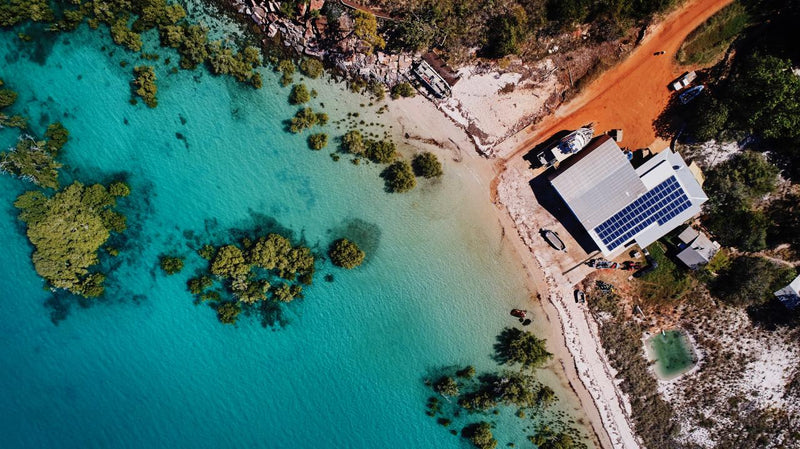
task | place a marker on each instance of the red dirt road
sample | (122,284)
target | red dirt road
(632,94)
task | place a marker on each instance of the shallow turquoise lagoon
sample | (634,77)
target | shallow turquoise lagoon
(145,367)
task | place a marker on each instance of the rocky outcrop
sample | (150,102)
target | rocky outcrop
(315,37)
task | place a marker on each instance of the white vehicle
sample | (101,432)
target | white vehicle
(683,81)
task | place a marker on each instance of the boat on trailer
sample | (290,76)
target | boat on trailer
(567,146)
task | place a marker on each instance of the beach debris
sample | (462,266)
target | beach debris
(604,287)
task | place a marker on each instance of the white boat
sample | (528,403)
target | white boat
(567,146)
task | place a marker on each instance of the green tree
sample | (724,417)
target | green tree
(446,386)
(399,177)
(311,68)
(751,280)
(31,160)
(318,141)
(299,94)
(353,143)
(67,231)
(708,118)
(287,69)
(480,435)
(346,254)
(505,34)
(145,84)
(229,262)
(427,165)
(516,346)
(304,118)
(767,96)
(403,90)
(380,151)
(171,264)
(365,27)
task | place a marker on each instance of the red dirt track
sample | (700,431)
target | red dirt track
(632,94)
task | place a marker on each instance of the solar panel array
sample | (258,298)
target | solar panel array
(660,204)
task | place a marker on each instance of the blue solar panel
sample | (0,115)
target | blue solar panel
(660,204)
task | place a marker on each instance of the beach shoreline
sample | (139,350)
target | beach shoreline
(417,117)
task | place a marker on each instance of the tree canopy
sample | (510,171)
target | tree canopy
(480,435)
(399,177)
(751,280)
(427,165)
(67,230)
(346,254)
(517,346)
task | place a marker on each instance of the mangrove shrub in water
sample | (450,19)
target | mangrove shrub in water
(67,230)
(345,254)
(145,85)
(300,94)
(248,274)
(399,177)
(171,264)
(427,165)
(517,346)
(480,435)
(317,141)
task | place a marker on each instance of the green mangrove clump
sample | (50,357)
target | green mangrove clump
(67,230)
(171,264)
(145,84)
(427,165)
(253,275)
(399,177)
(311,68)
(318,141)
(299,94)
(346,254)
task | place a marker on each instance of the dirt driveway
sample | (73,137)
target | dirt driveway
(630,95)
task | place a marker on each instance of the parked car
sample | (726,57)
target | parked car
(683,81)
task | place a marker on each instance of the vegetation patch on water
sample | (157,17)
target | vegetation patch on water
(67,228)
(255,274)
(672,352)
(127,21)
(475,399)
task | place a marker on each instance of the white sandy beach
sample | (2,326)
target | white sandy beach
(587,369)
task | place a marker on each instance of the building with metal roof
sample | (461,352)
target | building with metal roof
(619,205)
(696,248)
(789,295)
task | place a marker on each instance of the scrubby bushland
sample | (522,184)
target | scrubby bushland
(427,165)
(345,254)
(733,188)
(654,418)
(311,68)
(751,280)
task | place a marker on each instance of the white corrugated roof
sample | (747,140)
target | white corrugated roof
(598,183)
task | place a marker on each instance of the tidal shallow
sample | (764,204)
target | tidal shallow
(145,367)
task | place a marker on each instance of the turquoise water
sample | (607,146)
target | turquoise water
(672,352)
(145,367)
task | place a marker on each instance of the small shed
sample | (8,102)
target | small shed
(789,295)
(696,248)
